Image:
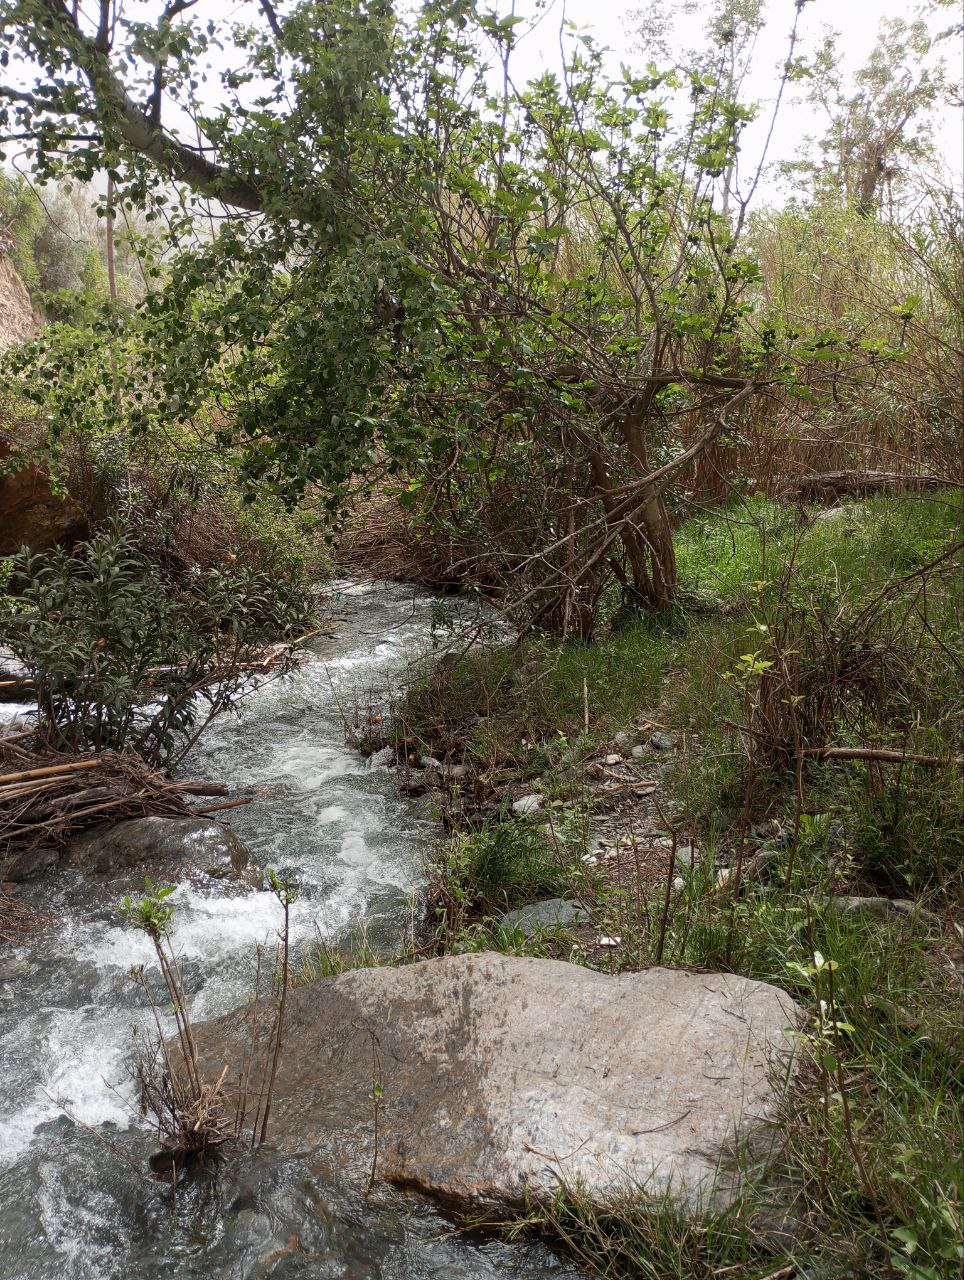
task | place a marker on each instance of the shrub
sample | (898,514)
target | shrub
(121,657)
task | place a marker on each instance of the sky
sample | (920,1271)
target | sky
(615,24)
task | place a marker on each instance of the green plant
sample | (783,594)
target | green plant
(121,658)
(498,866)
(186,1111)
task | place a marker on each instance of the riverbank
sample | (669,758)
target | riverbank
(661,799)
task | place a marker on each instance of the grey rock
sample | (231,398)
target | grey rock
(503,1076)
(852,511)
(6,993)
(28,864)
(383,759)
(661,741)
(884,909)
(168,849)
(548,914)
(638,753)
(455,772)
(688,855)
(527,804)
(724,818)
(678,883)
(429,762)
(623,742)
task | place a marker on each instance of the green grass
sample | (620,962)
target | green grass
(723,554)
(877,1183)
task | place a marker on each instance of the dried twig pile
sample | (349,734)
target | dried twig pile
(18,918)
(46,798)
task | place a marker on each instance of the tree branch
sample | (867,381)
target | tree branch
(267,8)
(139,131)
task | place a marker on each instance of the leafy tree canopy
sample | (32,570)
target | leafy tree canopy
(423,269)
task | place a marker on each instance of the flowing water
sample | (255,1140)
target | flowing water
(74,1200)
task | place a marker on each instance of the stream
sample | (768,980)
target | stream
(75,1200)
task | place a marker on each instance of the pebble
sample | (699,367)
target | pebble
(613,759)
(455,772)
(638,753)
(429,762)
(527,804)
(884,909)
(663,741)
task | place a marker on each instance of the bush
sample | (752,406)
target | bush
(122,657)
(500,866)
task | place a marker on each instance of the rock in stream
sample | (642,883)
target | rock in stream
(503,1076)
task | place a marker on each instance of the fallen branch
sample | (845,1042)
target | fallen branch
(830,485)
(231,804)
(885,755)
(48,803)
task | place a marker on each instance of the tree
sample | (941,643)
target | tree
(527,305)
(884,125)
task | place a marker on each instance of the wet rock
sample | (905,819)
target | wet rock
(383,759)
(29,864)
(661,741)
(885,909)
(528,804)
(32,515)
(549,914)
(502,1076)
(166,849)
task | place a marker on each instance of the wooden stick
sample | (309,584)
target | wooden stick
(231,804)
(117,803)
(884,754)
(25,775)
(200,788)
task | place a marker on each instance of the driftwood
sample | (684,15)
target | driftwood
(885,755)
(830,485)
(57,795)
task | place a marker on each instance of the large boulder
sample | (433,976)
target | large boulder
(498,1078)
(167,850)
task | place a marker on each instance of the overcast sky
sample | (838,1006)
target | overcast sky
(615,23)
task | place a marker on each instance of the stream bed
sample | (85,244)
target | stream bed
(75,1200)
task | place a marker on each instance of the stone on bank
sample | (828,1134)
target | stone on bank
(504,1077)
